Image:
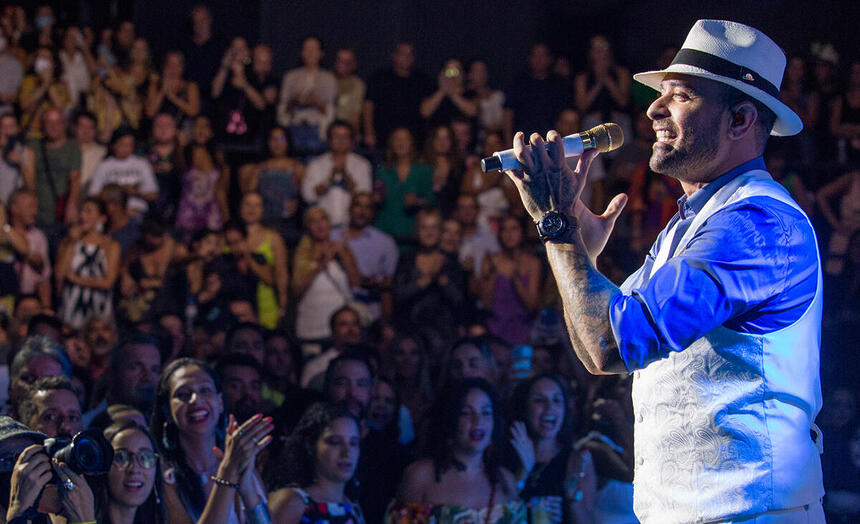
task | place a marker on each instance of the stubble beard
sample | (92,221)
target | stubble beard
(690,160)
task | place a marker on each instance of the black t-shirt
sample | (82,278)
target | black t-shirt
(202,62)
(537,103)
(239,125)
(396,102)
(448,111)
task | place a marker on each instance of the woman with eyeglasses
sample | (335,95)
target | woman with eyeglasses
(133,492)
(203,484)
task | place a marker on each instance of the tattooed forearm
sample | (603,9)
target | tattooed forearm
(586,295)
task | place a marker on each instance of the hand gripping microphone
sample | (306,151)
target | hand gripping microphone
(605,137)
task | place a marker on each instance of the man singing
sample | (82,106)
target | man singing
(721,325)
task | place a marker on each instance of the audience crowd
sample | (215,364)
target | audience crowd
(297,297)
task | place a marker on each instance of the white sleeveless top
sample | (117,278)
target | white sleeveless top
(723,427)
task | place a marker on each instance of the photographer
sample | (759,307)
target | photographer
(27,493)
(17,161)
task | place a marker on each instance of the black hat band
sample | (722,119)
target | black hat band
(722,67)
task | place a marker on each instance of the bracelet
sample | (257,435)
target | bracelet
(223,483)
(259,514)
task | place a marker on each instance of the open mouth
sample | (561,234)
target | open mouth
(198,415)
(664,135)
(477,435)
(548,422)
(133,485)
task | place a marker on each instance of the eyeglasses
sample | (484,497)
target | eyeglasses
(145,458)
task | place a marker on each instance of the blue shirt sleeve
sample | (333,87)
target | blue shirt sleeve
(752,267)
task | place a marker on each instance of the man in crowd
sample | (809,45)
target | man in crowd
(132,375)
(393,98)
(202,50)
(350,88)
(476,242)
(127,170)
(248,338)
(349,382)
(92,153)
(100,336)
(34,268)
(536,97)
(375,253)
(58,171)
(333,177)
(165,157)
(721,326)
(38,357)
(51,407)
(242,379)
(345,332)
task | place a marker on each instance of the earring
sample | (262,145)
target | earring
(165,437)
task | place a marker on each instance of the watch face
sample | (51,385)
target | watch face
(552,224)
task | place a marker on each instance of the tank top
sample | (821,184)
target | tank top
(329,512)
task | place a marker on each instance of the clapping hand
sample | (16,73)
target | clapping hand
(241,446)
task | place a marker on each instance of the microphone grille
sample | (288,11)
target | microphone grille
(607,137)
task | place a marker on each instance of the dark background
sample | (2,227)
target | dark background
(499,32)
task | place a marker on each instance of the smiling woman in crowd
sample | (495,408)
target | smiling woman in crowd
(203,484)
(462,480)
(557,479)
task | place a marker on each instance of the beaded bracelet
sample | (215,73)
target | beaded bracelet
(223,483)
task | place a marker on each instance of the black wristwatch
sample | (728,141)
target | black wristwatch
(553,225)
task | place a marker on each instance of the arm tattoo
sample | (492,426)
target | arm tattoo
(586,295)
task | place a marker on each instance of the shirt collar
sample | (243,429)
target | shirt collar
(689,206)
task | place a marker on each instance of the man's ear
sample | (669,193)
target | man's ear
(742,119)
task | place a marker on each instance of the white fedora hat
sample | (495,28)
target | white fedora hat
(737,55)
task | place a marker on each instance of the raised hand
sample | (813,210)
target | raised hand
(523,445)
(242,444)
(546,182)
(595,229)
(31,473)
(75,494)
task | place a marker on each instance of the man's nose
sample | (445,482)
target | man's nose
(657,109)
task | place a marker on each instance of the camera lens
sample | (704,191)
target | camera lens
(88,456)
(89,452)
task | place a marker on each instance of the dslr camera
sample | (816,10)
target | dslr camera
(88,452)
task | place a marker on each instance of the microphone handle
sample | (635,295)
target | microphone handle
(505,160)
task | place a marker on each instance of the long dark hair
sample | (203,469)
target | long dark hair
(297,463)
(166,436)
(443,427)
(520,405)
(152,509)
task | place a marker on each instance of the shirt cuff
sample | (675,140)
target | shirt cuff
(633,328)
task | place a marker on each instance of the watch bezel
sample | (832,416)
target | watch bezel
(549,218)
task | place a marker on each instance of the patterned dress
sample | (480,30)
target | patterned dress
(514,512)
(329,512)
(81,303)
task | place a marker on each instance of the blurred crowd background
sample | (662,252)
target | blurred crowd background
(288,226)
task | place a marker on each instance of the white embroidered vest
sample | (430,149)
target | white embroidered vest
(723,427)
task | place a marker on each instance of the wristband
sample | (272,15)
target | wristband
(223,483)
